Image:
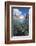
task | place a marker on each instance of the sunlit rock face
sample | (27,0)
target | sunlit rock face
(19,18)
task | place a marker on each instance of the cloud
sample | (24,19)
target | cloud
(30,11)
(16,12)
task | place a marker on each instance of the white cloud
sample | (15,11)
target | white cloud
(30,11)
(16,12)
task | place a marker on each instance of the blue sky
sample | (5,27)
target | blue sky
(24,10)
(21,11)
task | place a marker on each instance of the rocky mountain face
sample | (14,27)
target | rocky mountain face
(20,25)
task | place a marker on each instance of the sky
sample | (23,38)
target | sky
(20,11)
